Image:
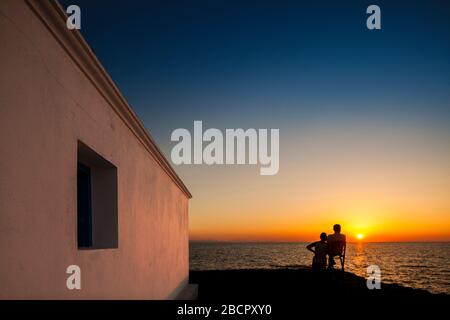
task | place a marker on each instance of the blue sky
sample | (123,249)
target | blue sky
(235,62)
(349,102)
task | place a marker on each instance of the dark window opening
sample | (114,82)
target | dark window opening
(97,213)
(84,206)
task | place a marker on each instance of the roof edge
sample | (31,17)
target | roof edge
(54,18)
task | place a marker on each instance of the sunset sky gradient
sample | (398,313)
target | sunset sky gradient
(364,116)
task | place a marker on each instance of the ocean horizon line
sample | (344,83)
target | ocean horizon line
(307,241)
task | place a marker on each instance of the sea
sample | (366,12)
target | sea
(423,265)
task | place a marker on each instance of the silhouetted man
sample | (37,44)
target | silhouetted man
(336,245)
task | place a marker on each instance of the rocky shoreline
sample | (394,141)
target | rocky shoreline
(287,284)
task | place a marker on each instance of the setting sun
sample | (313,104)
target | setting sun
(359,236)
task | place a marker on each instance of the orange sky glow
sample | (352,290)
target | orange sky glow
(389,184)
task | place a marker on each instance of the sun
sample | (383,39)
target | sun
(360,236)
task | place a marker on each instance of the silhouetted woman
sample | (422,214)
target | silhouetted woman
(319,248)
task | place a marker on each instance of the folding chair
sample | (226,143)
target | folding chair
(337,249)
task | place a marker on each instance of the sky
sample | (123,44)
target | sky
(364,116)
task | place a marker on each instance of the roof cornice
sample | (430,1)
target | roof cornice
(54,18)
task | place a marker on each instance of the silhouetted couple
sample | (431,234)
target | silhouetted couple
(332,246)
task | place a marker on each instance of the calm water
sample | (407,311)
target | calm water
(417,265)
